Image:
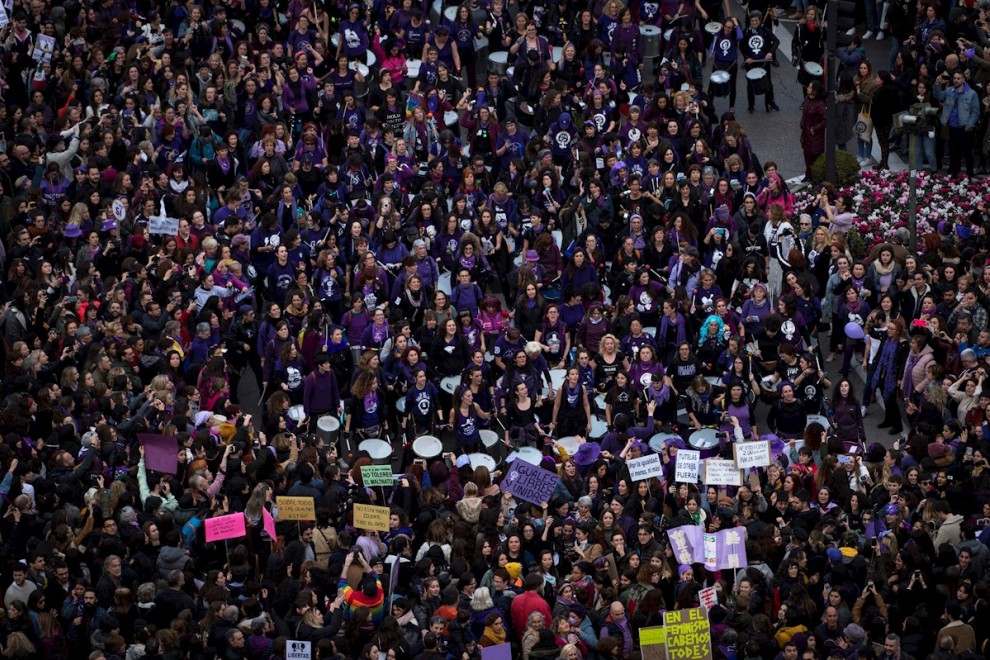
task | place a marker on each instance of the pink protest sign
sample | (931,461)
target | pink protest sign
(160,452)
(269,523)
(222,528)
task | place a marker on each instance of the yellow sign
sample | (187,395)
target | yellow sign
(367,516)
(652,643)
(296,508)
(689,636)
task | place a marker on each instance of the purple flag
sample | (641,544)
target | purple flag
(160,452)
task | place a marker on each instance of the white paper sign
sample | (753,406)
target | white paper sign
(708,597)
(4,17)
(711,552)
(753,454)
(687,468)
(162,224)
(297,650)
(719,472)
(645,467)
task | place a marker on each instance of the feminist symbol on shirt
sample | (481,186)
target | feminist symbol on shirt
(724,45)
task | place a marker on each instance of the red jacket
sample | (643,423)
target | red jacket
(525,604)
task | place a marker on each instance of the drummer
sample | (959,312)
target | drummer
(422,411)
(572,407)
(466,420)
(758,46)
(725,53)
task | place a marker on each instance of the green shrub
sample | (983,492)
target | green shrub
(857,244)
(846,167)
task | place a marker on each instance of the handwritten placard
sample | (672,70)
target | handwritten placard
(529,482)
(687,466)
(367,516)
(653,642)
(708,597)
(377,475)
(719,472)
(689,636)
(755,454)
(296,508)
(645,467)
(268,523)
(159,224)
(222,528)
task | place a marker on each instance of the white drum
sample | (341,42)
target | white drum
(667,34)
(478,460)
(450,118)
(412,67)
(335,39)
(379,450)
(489,438)
(714,381)
(297,413)
(531,455)
(450,13)
(327,426)
(821,419)
(450,383)
(598,427)
(558,54)
(758,80)
(814,69)
(660,440)
(570,444)
(371,59)
(511,71)
(427,446)
(713,27)
(489,357)
(600,401)
(436,9)
(443,284)
(400,405)
(360,87)
(720,83)
(557,377)
(650,34)
(650,331)
(498,61)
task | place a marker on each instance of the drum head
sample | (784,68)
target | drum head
(427,446)
(814,69)
(488,438)
(297,413)
(557,377)
(400,405)
(660,440)
(704,439)
(501,57)
(756,74)
(478,460)
(713,27)
(379,450)
(720,77)
(531,455)
(570,444)
(449,384)
(649,30)
(821,419)
(328,423)
(598,427)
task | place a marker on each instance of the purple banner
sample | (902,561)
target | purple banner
(530,483)
(728,551)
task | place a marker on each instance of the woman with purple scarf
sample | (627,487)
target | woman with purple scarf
(891,362)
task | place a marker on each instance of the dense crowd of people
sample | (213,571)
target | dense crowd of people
(288,235)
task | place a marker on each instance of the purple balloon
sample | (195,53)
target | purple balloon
(854,331)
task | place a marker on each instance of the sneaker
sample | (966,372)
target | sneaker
(862,411)
(867,35)
(881,36)
(851,31)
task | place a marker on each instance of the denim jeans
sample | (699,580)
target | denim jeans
(864,149)
(873,11)
(924,152)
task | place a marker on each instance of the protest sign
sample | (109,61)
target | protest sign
(4,17)
(689,636)
(44,46)
(497,652)
(160,452)
(708,597)
(222,528)
(298,650)
(645,467)
(530,483)
(268,523)
(687,544)
(367,516)
(160,224)
(719,472)
(687,466)
(731,548)
(296,508)
(652,643)
(377,475)
(753,454)
(711,552)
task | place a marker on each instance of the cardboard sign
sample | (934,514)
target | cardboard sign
(687,466)
(222,528)
(645,467)
(367,516)
(160,452)
(159,224)
(497,652)
(653,643)
(689,637)
(708,597)
(755,454)
(268,523)
(377,475)
(720,472)
(529,482)
(296,508)
(298,650)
